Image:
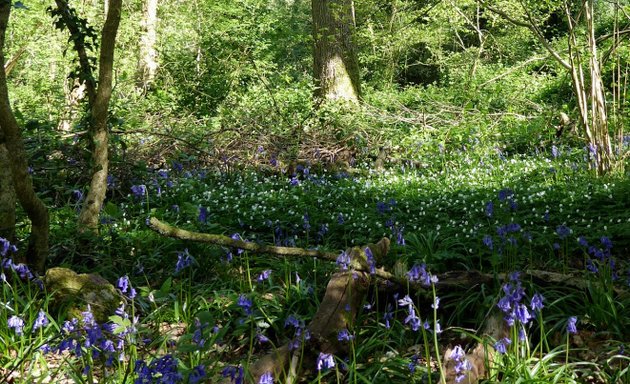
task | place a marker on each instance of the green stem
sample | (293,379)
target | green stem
(435,341)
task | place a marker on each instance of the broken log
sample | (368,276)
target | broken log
(341,303)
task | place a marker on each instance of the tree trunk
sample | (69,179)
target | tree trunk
(37,250)
(147,62)
(88,219)
(336,65)
(7,195)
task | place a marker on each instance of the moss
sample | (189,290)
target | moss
(76,291)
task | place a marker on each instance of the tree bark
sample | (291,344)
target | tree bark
(7,194)
(37,250)
(336,67)
(147,61)
(88,218)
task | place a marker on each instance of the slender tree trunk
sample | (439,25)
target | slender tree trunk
(599,117)
(37,250)
(591,105)
(89,216)
(147,61)
(336,65)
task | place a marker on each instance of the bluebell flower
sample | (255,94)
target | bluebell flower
(388,315)
(45,349)
(323,229)
(436,303)
(125,287)
(487,241)
(77,195)
(606,242)
(590,266)
(582,241)
(197,375)
(400,239)
(419,273)
(41,321)
(264,275)
(438,327)
(405,301)
(461,363)
(123,283)
(370,260)
(184,260)
(571,325)
(245,304)
(266,378)
(501,345)
(537,302)
(505,193)
(6,247)
(88,317)
(522,314)
(325,361)
(340,219)
(563,231)
(262,338)
(203,214)
(139,190)
(69,326)
(513,227)
(505,304)
(592,150)
(343,261)
(17,323)
(307,222)
(555,152)
(412,319)
(489,209)
(414,360)
(344,335)
(237,236)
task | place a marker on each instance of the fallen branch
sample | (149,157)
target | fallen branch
(451,280)
(226,241)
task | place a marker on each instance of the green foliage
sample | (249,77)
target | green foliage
(83,37)
(459,121)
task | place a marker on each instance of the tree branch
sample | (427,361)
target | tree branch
(226,241)
(532,27)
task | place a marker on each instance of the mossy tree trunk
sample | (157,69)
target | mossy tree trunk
(147,60)
(37,250)
(336,65)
